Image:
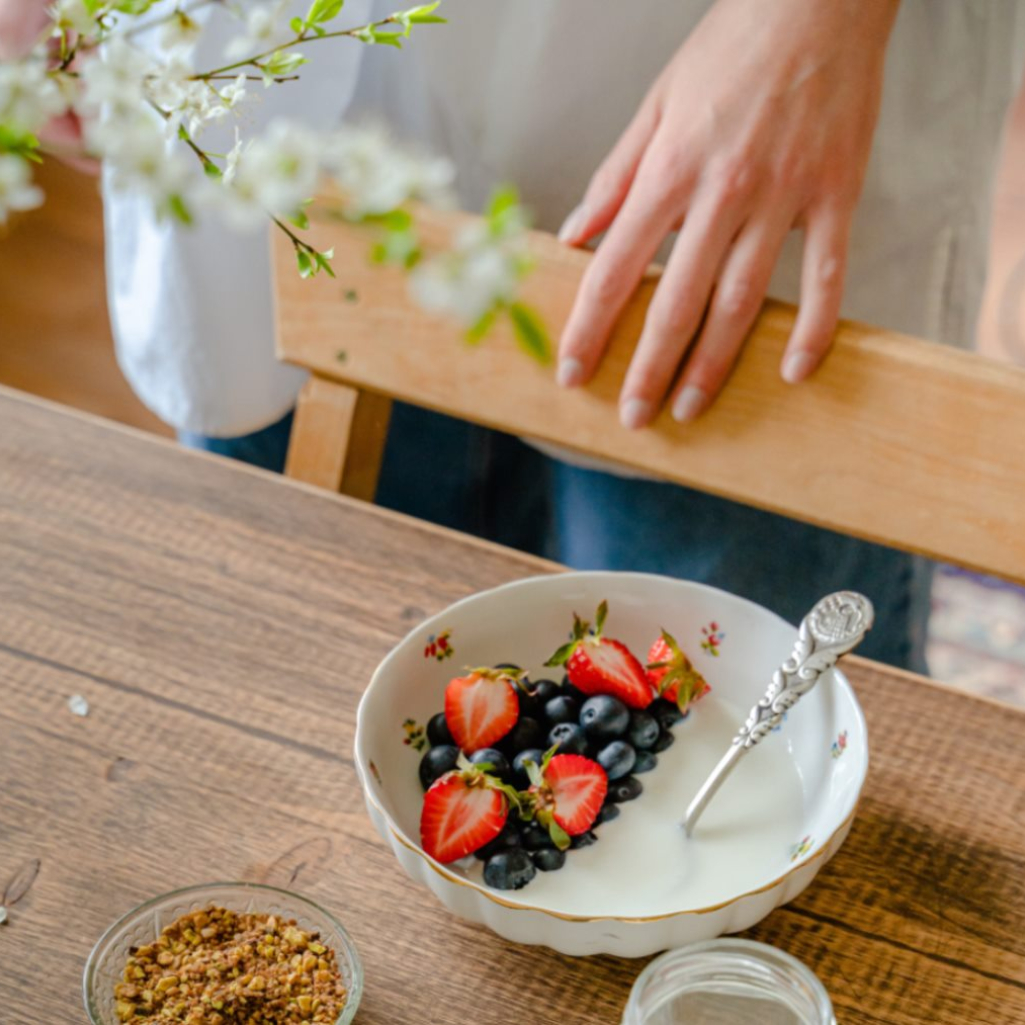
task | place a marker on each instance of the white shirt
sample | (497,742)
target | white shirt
(536,92)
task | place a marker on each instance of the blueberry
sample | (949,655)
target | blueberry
(534,695)
(509,870)
(526,733)
(493,757)
(509,837)
(584,840)
(570,738)
(573,692)
(625,789)
(665,739)
(520,778)
(436,762)
(604,717)
(549,859)
(646,761)
(561,709)
(607,814)
(535,837)
(666,712)
(617,759)
(438,732)
(643,731)
(546,690)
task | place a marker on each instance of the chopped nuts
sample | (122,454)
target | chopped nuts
(219,967)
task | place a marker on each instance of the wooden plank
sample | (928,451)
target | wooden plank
(895,440)
(338,438)
(222,624)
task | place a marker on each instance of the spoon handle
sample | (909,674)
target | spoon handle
(835,626)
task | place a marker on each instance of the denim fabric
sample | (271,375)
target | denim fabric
(492,485)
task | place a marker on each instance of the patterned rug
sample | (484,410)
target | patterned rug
(977,635)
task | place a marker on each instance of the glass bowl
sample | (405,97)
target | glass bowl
(728,982)
(143,925)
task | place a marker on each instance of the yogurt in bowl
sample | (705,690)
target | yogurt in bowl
(645,886)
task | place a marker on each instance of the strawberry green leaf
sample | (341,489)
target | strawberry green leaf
(600,617)
(562,656)
(559,835)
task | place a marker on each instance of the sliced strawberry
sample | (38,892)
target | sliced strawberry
(600,665)
(481,708)
(672,674)
(462,811)
(567,794)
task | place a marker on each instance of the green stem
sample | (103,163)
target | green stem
(304,38)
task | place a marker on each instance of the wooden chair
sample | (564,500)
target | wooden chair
(894,439)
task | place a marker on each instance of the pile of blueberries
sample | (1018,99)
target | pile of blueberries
(624,741)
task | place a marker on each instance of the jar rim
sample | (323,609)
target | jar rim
(704,967)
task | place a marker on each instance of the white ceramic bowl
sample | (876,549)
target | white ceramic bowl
(643,887)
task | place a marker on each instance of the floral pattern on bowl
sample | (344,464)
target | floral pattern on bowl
(712,637)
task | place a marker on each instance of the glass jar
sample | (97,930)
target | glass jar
(728,982)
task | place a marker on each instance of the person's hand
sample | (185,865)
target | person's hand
(761,123)
(22,23)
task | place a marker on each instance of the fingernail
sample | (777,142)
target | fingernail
(570,372)
(635,413)
(689,404)
(797,366)
(572,225)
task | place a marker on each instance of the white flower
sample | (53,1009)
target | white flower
(274,174)
(377,175)
(29,97)
(73,16)
(235,93)
(482,271)
(186,100)
(143,159)
(16,189)
(179,33)
(115,78)
(265,28)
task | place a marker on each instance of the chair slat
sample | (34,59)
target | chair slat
(895,440)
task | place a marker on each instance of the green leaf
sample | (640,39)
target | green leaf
(502,199)
(323,10)
(561,657)
(476,333)
(323,261)
(531,333)
(19,143)
(422,15)
(533,772)
(211,170)
(306,268)
(131,6)
(371,34)
(178,209)
(281,63)
(297,25)
(600,616)
(300,220)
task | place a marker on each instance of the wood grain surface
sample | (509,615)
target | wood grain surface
(894,439)
(222,624)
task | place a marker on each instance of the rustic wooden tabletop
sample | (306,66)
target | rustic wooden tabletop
(222,623)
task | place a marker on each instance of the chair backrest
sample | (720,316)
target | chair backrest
(894,439)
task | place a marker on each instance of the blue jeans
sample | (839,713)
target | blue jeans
(494,486)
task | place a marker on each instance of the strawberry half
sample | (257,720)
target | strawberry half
(462,811)
(601,665)
(566,794)
(672,675)
(482,707)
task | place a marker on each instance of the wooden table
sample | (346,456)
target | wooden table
(222,623)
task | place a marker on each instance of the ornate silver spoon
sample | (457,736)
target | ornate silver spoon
(836,625)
